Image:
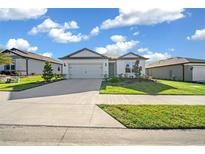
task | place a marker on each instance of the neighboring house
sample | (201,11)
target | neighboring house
(86,63)
(28,63)
(178,68)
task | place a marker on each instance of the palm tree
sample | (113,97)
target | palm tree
(5,59)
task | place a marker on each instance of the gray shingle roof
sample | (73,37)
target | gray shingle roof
(174,61)
(31,55)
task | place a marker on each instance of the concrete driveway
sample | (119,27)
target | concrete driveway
(48,105)
(63,87)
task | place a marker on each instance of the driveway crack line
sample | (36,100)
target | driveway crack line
(61,139)
(91,117)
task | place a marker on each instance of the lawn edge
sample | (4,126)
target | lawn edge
(42,83)
(167,128)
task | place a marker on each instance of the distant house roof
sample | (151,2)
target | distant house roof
(175,61)
(31,55)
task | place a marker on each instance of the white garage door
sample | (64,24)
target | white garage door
(198,73)
(83,70)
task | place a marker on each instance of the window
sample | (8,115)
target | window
(13,67)
(59,69)
(6,67)
(9,67)
(129,67)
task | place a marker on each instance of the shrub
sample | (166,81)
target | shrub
(137,69)
(47,72)
(114,79)
(58,76)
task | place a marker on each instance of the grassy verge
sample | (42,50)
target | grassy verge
(162,87)
(158,116)
(25,83)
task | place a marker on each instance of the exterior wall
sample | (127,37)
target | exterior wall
(104,63)
(36,67)
(21,65)
(188,73)
(121,64)
(164,72)
(1,67)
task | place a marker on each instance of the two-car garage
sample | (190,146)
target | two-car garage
(85,63)
(85,70)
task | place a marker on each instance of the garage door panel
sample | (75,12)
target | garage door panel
(85,70)
(198,73)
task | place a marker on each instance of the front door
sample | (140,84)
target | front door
(111,69)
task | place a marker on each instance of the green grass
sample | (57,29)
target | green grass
(25,83)
(158,116)
(131,86)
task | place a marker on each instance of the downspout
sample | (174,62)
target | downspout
(27,66)
(183,72)
(62,68)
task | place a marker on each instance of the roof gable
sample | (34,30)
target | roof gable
(84,54)
(131,55)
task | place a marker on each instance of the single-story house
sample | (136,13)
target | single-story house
(28,63)
(86,63)
(178,68)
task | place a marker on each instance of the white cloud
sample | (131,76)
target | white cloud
(198,35)
(156,56)
(60,36)
(136,33)
(118,38)
(21,13)
(95,31)
(49,24)
(47,54)
(58,32)
(131,17)
(71,25)
(141,50)
(118,48)
(21,44)
(45,26)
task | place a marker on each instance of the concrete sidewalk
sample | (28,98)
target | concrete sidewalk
(56,114)
(26,135)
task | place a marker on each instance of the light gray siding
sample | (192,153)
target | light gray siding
(36,67)
(188,73)
(174,72)
(20,65)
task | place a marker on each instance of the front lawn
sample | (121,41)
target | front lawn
(25,83)
(132,86)
(158,116)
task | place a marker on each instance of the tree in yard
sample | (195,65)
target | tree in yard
(47,72)
(5,59)
(137,69)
